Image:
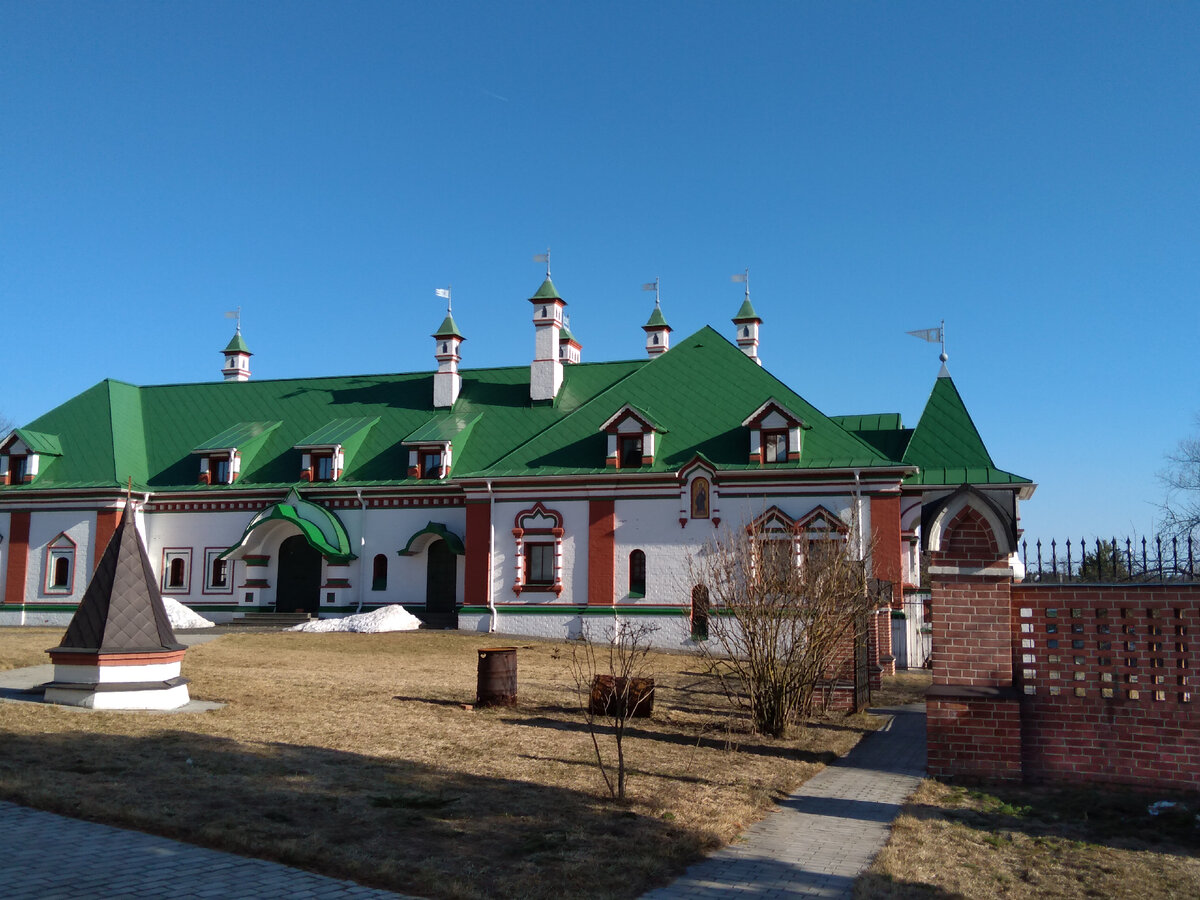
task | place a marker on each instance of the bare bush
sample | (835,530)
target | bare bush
(611,677)
(781,618)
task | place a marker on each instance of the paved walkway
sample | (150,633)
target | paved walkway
(47,857)
(826,833)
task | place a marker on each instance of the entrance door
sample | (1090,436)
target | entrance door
(441,584)
(298,581)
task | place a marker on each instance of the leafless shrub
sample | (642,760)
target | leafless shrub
(781,617)
(611,680)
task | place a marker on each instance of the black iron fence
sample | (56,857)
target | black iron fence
(1156,559)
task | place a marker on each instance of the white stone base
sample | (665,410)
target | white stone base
(167,698)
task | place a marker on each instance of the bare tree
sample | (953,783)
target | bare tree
(613,684)
(782,617)
(1181,506)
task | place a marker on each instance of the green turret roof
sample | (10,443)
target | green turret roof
(564,334)
(746,312)
(947,446)
(237,345)
(656,320)
(448,328)
(547,292)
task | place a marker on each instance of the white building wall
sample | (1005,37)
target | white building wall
(44,527)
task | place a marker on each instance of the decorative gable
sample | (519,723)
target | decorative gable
(632,438)
(774,433)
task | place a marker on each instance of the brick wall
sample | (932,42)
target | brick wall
(1108,678)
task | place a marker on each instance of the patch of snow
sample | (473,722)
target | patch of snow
(377,621)
(182,617)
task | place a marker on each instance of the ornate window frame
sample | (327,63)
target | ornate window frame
(170,556)
(211,556)
(696,471)
(61,548)
(542,526)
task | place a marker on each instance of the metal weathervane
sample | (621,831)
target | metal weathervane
(444,293)
(934,336)
(544,257)
(652,286)
(236,314)
(742,278)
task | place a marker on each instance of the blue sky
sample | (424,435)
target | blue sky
(1025,171)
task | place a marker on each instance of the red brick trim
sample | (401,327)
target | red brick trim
(72,657)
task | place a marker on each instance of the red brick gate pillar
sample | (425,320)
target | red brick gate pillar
(973,708)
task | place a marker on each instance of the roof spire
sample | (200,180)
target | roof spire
(544,257)
(444,293)
(236,314)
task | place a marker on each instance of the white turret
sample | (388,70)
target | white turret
(446,381)
(546,373)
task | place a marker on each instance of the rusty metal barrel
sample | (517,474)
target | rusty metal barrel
(496,684)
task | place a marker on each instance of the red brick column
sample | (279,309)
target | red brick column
(602,552)
(106,524)
(18,557)
(887,564)
(479,557)
(973,709)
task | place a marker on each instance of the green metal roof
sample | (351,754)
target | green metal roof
(872,422)
(547,292)
(697,394)
(237,345)
(337,432)
(239,437)
(946,444)
(746,312)
(697,421)
(448,328)
(442,429)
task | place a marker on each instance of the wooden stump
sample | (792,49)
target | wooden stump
(611,694)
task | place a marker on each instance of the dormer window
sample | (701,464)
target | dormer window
(23,452)
(775,433)
(224,456)
(431,464)
(322,467)
(775,446)
(632,438)
(325,454)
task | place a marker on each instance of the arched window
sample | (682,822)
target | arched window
(379,573)
(637,574)
(61,577)
(178,570)
(700,613)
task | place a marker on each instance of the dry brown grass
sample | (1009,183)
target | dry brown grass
(351,755)
(21,647)
(905,687)
(1037,842)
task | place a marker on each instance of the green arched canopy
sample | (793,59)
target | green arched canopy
(437,529)
(321,528)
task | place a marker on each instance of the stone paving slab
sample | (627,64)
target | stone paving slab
(49,856)
(823,836)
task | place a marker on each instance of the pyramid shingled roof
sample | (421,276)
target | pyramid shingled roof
(448,328)
(746,313)
(122,610)
(547,292)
